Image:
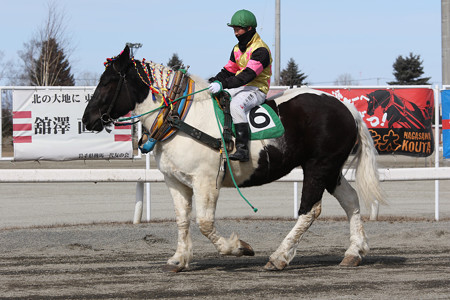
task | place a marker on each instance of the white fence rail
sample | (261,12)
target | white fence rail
(153,175)
(141,176)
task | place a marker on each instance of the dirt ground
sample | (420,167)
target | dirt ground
(409,259)
(41,258)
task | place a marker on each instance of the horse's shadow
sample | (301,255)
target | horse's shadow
(249,264)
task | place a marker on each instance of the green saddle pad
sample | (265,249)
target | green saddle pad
(263,121)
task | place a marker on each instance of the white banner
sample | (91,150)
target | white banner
(47,126)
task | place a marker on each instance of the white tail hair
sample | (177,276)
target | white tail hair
(366,177)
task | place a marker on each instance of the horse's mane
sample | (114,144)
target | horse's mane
(162,74)
(199,81)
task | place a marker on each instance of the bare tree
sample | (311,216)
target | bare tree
(3,70)
(6,103)
(45,56)
(2,67)
(7,74)
(87,79)
(345,80)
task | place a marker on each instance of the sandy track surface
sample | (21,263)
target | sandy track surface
(408,260)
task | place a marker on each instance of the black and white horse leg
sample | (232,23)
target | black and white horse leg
(348,198)
(206,195)
(310,209)
(182,200)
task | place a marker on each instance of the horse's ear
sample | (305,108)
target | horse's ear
(123,59)
(126,51)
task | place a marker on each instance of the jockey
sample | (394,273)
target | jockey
(246,77)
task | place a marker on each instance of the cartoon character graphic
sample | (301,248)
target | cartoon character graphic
(400,113)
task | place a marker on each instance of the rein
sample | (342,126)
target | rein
(159,107)
(165,103)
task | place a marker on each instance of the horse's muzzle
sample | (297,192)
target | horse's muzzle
(92,124)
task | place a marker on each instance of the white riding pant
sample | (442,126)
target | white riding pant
(243,99)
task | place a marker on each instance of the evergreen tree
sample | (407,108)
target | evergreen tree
(292,75)
(407,71)
(175,62)
(52,67)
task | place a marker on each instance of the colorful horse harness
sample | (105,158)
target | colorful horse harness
(162,127)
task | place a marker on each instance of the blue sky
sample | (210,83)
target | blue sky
(326,38)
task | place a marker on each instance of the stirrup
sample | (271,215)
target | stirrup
(239,155)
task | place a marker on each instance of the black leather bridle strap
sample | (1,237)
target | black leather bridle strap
(113,102)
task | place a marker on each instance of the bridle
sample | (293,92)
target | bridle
(106,117)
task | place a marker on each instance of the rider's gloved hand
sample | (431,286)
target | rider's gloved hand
(215,87)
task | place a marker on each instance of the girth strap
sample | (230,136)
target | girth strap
(204,138)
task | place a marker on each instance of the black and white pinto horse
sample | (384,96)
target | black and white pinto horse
(320,133)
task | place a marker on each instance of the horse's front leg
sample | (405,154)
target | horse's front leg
(182,199)
(206,195)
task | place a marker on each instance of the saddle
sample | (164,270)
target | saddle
(263,121)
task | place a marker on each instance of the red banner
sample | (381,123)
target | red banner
(398,119)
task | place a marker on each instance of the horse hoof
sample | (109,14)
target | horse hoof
(171,268)
(270,266)
(350,261)
(246,249)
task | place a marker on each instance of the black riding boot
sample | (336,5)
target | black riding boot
(242,137)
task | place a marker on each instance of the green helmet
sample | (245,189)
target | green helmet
(243,18)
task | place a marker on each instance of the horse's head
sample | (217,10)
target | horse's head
(117,93)
(376,99)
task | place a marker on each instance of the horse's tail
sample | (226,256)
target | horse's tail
(367,177)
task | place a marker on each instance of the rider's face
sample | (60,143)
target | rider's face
(238,31)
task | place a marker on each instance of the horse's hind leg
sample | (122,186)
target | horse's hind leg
(348,199)
(206,195)
(182,200)
(310,209)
